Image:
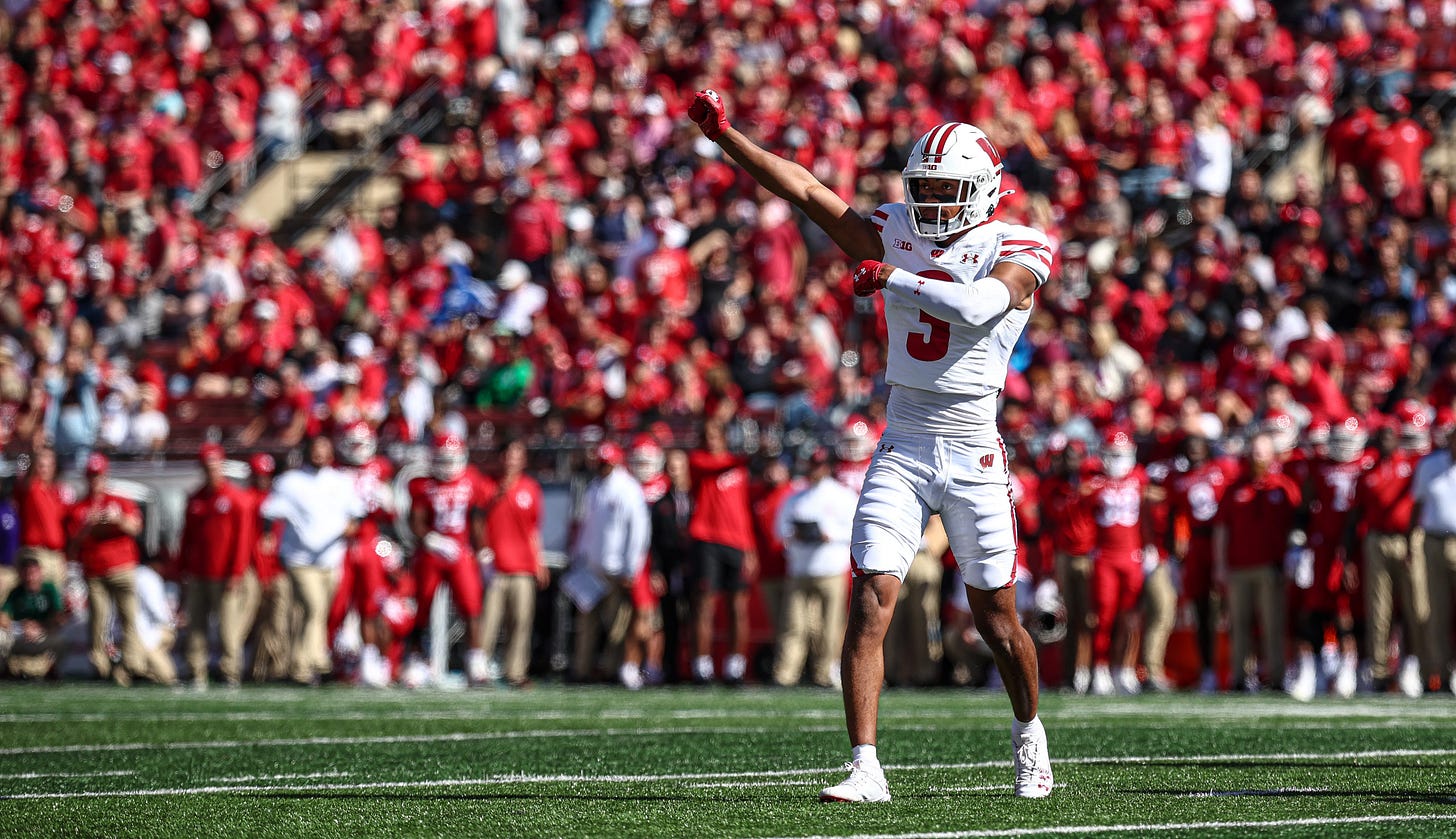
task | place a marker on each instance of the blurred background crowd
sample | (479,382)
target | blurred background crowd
(1250,204)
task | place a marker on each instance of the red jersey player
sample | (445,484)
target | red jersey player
(855,447)
(444,518)
(644,647)
(1325,577)
(1194,493)
(361,581)
(1116,496)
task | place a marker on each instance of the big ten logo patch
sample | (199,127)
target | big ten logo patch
(902,245)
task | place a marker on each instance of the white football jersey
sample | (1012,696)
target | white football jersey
(946,377)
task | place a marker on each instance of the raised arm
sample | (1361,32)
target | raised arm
(788,180)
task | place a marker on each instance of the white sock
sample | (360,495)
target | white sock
(866,758)
(735,667)
(1021,729)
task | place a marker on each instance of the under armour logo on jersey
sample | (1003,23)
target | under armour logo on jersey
(917,287)
(973,258)
(987,460)
(889,448)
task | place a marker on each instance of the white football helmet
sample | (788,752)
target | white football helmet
(1347,440)
(449,459)
(356,444)
(1119,454)
(646,459)
(958,152)
(856,441)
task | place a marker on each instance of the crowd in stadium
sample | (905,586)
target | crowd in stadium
(1210,283)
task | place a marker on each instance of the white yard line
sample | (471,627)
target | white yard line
(26,776)
(522,778)
(304,776)
(460,737)
(1091,829)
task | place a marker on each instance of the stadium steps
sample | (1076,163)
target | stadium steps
(413,116)
(278,192)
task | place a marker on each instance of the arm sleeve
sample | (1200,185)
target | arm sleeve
(973,304)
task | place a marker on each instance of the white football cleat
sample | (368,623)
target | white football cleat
(1347,679)
(1102,681)
(1126,682)
(1301,683)
(373,669)
(1081,680)
(1411,683)
(1033,765)
(477,669)
(630,676)
(862,786)
(417,673)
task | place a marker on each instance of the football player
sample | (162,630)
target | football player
(1124,550)
(446,519)
(1194,492)
(958,288)
(1324,576)
(361,579)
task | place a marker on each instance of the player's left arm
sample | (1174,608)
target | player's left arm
(1009,286)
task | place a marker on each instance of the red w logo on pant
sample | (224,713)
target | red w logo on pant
(987,460)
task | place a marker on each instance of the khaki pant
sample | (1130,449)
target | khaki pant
(912,655)
(614,615)
(208,599)
(9,579)
(1160,612)
(271,659)
(115,590)
(1074,578)
(158,661)
(822,600)
(1441,581)
(52,564)
(1250,589)
(313,591)
(511,599)
(250,597)
(1389,575)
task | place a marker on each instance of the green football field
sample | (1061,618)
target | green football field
(97,761)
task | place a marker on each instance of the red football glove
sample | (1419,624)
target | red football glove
(868,279)
(707,111)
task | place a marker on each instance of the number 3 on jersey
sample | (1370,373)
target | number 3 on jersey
(933,345)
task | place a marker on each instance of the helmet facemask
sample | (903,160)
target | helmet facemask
(973,199)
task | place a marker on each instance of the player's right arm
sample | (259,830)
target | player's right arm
(854,234)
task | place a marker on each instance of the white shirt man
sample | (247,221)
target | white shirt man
(610,550)
(316,507)
(1434,488)
(815,524)
(615,527)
